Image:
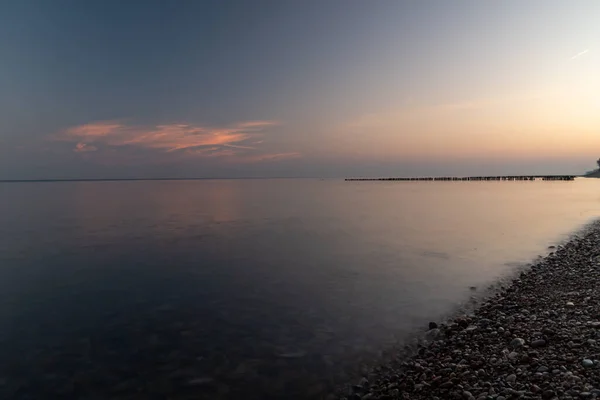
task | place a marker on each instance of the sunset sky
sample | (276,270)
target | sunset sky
(331,88)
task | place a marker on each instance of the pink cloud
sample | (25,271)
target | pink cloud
(94,129)
(256,124)
(217,152)
(271,157)
(84,148)
(237,142)
(239,146)
(171,137)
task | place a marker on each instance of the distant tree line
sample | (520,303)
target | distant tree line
(598,162)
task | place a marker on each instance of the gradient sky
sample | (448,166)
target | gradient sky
(330,88)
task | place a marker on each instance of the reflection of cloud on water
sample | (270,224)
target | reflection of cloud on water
(110,212)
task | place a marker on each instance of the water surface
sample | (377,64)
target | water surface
(266,288)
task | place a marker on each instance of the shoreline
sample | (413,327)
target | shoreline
(537,337)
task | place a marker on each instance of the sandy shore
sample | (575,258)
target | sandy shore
(538,338)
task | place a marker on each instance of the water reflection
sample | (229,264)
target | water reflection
(159,206)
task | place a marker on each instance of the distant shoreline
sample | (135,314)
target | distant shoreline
(593,174)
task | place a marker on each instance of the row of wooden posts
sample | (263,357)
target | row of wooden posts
(476,178)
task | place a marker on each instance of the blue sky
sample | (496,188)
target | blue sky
(298,88)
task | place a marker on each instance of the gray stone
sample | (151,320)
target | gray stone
(538,343)
(200,381)
(587,363)
(548,394)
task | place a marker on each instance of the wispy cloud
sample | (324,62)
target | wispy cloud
(256,124)
(237,141)
(233,155)
(239,146)
(271,157)
(580,54)
(170,137)
(84,148)
(99,129)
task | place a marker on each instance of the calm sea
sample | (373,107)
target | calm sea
(248,288)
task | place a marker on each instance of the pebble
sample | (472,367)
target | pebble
(538,343)
(548,394)
(200,381)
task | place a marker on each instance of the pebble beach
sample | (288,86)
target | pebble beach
(538,337)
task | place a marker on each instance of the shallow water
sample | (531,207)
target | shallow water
(270,288)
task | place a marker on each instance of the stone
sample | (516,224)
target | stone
(587,363)
(538,343)
(511,378)
(200,381)
(517,342)
(548,394)
(432,325)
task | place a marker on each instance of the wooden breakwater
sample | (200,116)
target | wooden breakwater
(477,178)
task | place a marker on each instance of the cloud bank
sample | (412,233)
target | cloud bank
(240,142)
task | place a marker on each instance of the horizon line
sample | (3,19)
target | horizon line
(156,179)
(49,180)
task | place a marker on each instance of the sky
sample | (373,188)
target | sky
(311,88)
